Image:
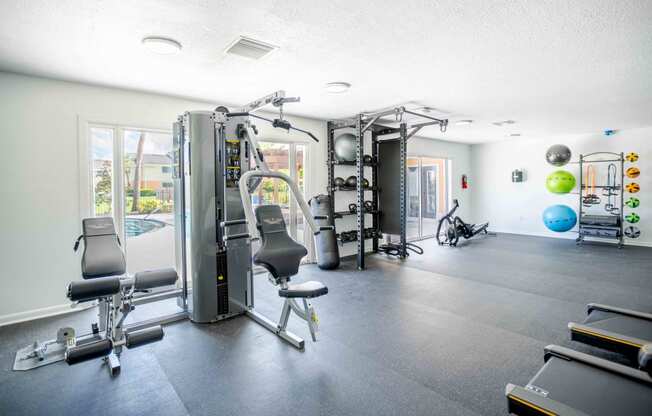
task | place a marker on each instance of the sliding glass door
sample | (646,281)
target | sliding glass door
(427,197)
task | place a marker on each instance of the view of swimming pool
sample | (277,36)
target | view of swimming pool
(137,226)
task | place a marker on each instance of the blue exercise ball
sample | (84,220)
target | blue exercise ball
(559,218)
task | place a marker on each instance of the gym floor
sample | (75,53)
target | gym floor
(437,334)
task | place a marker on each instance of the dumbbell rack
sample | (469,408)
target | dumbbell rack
(619,159)
(359,164)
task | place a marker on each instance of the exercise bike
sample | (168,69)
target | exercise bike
(454,228)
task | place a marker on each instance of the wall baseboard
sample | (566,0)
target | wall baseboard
(566,236)
(14,318)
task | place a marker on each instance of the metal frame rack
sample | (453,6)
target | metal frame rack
(377,125)
(587,159)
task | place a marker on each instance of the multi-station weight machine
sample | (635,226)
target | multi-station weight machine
(212,151)
(212,155)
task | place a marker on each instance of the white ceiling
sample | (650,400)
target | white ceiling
(556,66)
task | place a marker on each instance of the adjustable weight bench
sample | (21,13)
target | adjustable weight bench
(103,269)
(281,256)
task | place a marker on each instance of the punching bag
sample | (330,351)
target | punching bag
(328,253)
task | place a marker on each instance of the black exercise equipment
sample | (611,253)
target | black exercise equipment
(367,159)
(365,183)
(351,181)
(353,208)
(620,330)
(572,383)
(339,181)
(281,256)
(453,228)
(394,249)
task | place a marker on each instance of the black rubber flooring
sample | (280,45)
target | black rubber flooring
(438,334)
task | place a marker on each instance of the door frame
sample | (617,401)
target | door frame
(447,190)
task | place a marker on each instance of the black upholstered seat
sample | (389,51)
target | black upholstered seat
(280,254)
(102,253)
(310,289)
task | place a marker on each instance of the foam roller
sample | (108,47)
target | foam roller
(92,289)
(142,337)
(88,351)
(155,278)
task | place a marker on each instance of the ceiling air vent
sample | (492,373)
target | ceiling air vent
(250,48)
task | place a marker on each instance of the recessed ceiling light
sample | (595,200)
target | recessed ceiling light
(337,87)
(463,122)
(515,135)
(161,45)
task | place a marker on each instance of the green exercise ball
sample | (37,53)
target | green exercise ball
(560,182)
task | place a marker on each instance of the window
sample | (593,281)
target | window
(288,158)
(130,172)
(102,171)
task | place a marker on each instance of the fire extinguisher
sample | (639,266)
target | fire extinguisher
(465,182)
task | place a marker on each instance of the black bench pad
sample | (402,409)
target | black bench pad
(310,289)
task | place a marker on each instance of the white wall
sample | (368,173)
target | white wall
(517,207)
(40,214)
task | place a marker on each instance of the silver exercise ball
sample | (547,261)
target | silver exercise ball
(558,155)
(345,147)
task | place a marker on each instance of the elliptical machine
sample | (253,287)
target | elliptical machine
(454,228)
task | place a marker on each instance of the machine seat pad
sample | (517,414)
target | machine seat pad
(102,253)
(279,254)
(310,289)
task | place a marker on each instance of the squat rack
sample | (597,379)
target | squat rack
(376,123)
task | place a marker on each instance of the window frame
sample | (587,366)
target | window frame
(86,191)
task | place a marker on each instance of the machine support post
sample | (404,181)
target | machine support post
(403,189)
(359,154)
(331,167)
(374,193)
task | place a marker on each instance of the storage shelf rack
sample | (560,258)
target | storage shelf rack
(618,159)
(377,125)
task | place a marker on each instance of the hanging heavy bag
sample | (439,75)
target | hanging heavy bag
(328,254)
